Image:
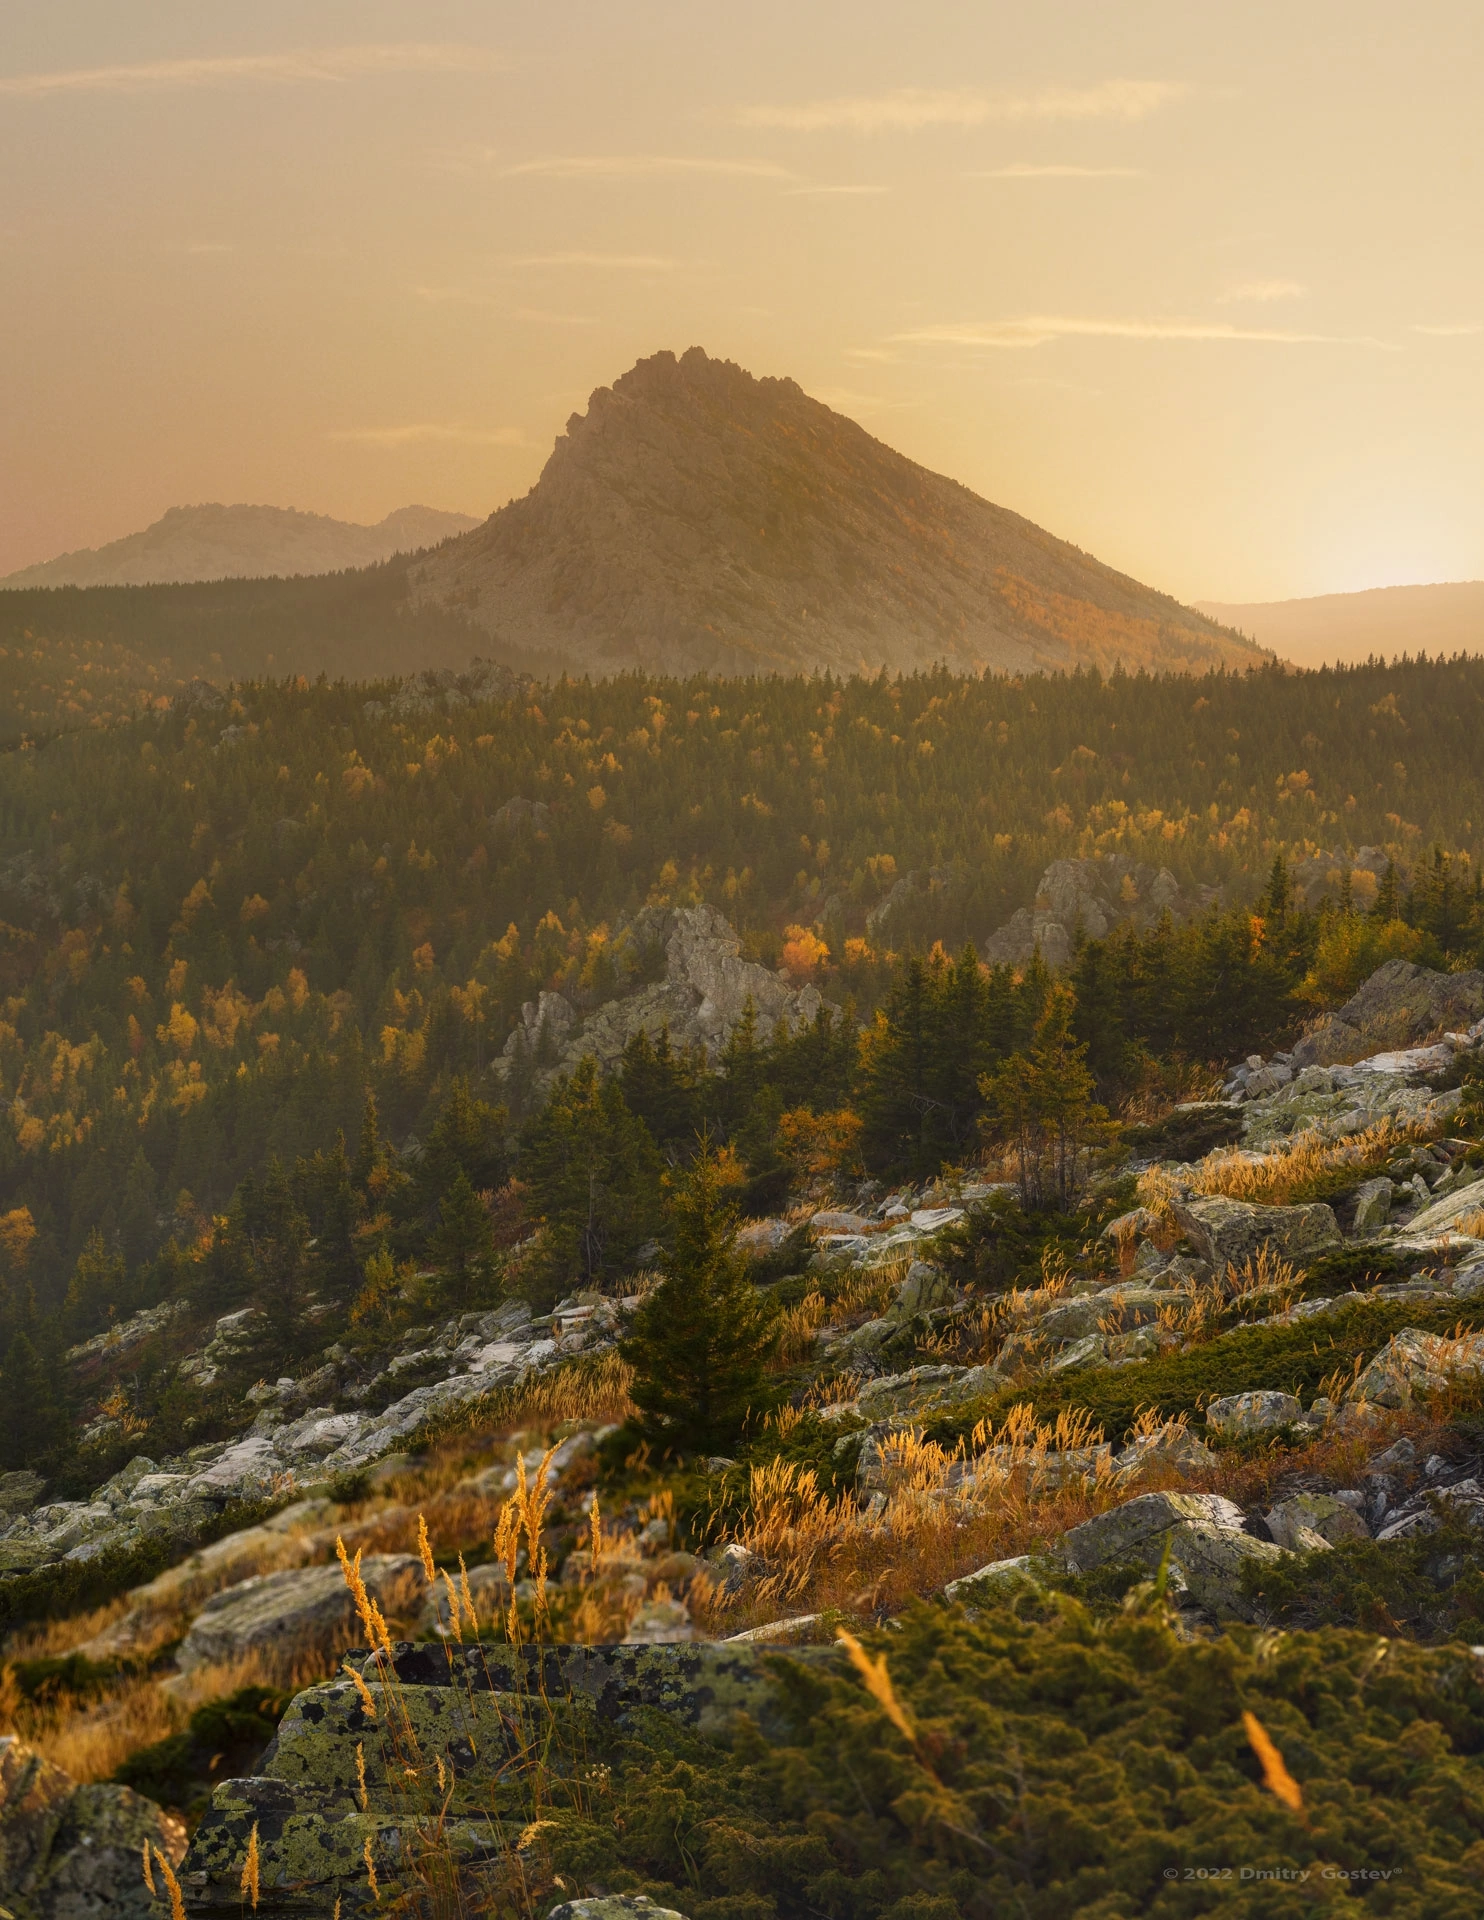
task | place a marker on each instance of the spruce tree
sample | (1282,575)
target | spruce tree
(462,1247)
(1041,1107)
(700,1343)
(593,1179)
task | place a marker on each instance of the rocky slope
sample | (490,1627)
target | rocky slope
(696,518)
(1211,1277)
(214,542)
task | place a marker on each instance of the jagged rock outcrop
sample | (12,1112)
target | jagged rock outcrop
(1399,1005)
(70,1852)
(696,519)
(703,994)
(1091,897)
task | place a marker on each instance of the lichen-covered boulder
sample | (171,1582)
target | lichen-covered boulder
(1319,1514)
(999,1577)
(1240,1415)
(70,1852)
(1170,1446)
(1204,1535)
(1228,1232)
(296,1608)
(473,1710)
(1416,1362)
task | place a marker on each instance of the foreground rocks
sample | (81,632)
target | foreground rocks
(469,1706)
(70,1852)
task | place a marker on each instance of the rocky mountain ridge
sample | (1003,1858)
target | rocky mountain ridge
(698,519)
(216,542)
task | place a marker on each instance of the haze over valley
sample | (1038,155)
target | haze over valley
(742,1179)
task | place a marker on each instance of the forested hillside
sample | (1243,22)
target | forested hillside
(227,920)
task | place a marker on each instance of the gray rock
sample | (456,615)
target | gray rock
(1416,1362)
(1399,1004)
(1442,1215)
(1205,1537)
(1172,1446)
(20,1491)
(1241,1414)
(614,1906)
(298,1608)
(1000,1576)
(660,1623)
(1372,1206)
(1321,1514)
(70,1852)
(1090,1351)
(1226,1231)
(925,1289)
(1136,1530)
(1090,896)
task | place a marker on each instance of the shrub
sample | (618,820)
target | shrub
(1429,1586)
(1038,1761)
(221,1739)
(1294,1359)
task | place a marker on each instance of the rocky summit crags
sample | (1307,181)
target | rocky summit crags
(696,518)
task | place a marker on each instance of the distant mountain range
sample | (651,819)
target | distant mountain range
(1348,627)
(242,543)
(698,519)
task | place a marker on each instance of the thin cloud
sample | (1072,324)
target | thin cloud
(1031,170)
(260,69)
(1264,291)
(1458,330)
(430,431)
(849,400)
(619,262)
(597,166)
(1036,330)
(908,108)
(795,193)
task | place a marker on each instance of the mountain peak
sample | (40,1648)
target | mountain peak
(699,518)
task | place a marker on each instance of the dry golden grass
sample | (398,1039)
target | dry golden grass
(949,1513)
(1470,1225)
(90,1739)
(1274,1178)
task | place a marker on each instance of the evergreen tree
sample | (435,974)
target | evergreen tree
(1277,896)
(31,1420)
(96,1290)
(592,1174)
(660,1088)
(701,1342)
(274,1235)
(1387,904)
(462,1247)
(1041,1107)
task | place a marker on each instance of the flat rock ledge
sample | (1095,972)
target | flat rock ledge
(472,1707)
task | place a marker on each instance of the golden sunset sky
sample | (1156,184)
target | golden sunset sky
(1197,286)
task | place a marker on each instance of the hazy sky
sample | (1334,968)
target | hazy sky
(1197,286)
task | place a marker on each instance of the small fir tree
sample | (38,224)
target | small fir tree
(701,1342)
(462,1246)
(1041,1107)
